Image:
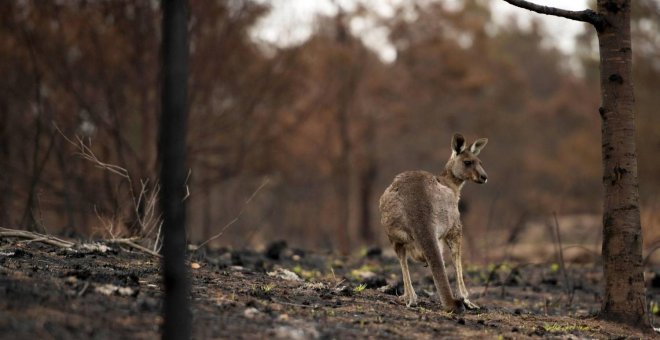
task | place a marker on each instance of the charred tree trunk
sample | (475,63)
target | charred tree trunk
(172,151)
(343,168)
(343,178)
(7,179)
(29,219)
(366,185)
(67,201)
(625,298)
(367,178)
(207,222)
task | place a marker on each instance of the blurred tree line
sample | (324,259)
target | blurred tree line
(325,124)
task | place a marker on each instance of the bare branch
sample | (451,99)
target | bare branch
(187,187)
(586,15)
(240,213)
(562,264)
(5,232)
(129,243)
(85,152)
(145,204)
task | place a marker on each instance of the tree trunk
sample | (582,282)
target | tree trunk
(624,295)
(343,171)
(366,185)
(367,178)
(343,174)
(172,151)
(7,179)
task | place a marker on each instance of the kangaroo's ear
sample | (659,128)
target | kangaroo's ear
(478,144)
(457,144)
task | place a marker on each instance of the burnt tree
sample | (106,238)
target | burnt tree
(624,291)
(172,152)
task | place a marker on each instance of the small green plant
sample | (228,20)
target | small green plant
(359,289)
(557,328)
(504,266)
(554,267)
(655,308)
(267,287)
(306,274)
(473,270)
(297,269)
(363,272)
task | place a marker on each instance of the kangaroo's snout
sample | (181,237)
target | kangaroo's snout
(480,175)
(483,178)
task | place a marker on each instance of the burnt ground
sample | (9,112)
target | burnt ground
(53,293)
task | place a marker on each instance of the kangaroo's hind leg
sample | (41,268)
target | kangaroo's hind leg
(454,242)
(433,254)
(409,296)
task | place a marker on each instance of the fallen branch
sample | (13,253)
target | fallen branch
(35,237)
(54,241)
(295,304)
(83,290)
(129,243)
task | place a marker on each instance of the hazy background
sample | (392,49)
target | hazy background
(309,111)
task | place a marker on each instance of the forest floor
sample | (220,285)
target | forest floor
(98,292)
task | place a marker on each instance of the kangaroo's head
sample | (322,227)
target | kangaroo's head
(464,163)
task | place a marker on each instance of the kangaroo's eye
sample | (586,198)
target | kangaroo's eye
(467,163)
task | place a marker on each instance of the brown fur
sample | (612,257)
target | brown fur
(419,209)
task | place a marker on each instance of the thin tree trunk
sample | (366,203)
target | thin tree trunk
(7,179)
(343,169)
(367,178)
(29,220)
(207,222)
(342,179)
(366,188)
(624,298)
(67,198)
(172,150)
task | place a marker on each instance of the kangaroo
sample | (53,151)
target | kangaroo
(420,209)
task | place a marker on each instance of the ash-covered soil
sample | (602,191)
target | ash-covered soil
(97,293)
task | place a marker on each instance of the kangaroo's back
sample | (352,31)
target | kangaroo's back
(416,199)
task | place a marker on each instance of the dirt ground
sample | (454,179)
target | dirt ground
(113,293)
